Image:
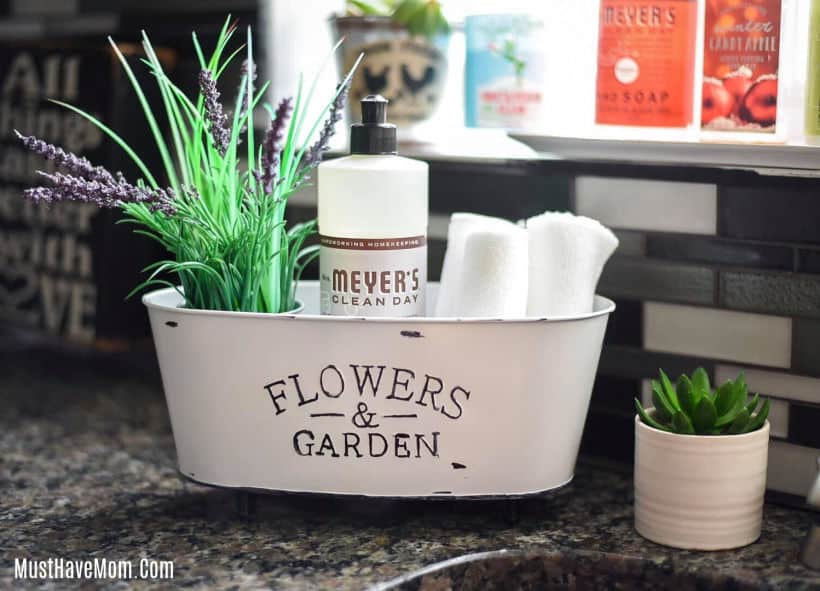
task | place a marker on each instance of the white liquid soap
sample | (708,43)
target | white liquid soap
(373,217)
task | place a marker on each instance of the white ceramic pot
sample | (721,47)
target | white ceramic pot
(409,71)
(414,407)
(699,492)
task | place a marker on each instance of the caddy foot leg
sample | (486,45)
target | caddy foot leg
(246,504)
(512,511)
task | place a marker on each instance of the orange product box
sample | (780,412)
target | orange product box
(740,65)
(646,61)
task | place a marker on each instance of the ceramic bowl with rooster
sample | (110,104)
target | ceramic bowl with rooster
(410,71)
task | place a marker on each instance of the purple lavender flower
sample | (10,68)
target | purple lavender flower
(75,164)
(214,112)
(313,155)
(90,184)
(107,194)
(272,146)
(47,194)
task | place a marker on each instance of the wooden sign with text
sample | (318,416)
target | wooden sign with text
(66,268)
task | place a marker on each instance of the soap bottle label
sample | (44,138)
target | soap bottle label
(740,65)
(505,71)
(813,74)
(373,276)
(646,61)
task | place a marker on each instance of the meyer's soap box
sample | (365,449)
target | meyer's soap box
(399,407)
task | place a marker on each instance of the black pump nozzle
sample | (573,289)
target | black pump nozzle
(373,135)
(374,109)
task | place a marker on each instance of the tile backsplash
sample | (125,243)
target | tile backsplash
(716,333)
(648,204)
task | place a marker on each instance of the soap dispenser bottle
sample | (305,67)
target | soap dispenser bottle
(373,224)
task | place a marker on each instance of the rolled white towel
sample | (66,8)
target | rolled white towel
(566,256)
(493,280)
(461,226)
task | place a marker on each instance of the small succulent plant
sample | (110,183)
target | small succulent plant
(691,407)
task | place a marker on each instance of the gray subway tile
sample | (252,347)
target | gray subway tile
(435,258)
(699,249)
(495,189)
(63,9)
(631,243)
(609,435)
(804,425)
(639,278)
(808,260)
(806,346)
(297,214)
(792,468)
(641,204)
(615,394)
(634,363)
(625,325)
(780,384)
(718,333)
(769,213)
(786,294)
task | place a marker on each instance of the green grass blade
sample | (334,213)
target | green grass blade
(175,123)
(116,138)
(152,282)
(198,50)
(290,140)
(306,257)
(149,116)
(320,119)
(249,140)
(227,62)
(309,97)
(224,38)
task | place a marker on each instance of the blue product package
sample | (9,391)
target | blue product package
(505,71)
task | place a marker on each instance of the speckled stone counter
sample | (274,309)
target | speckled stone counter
(87,469)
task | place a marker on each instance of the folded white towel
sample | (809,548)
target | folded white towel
(493,280)
(566,256)
(461,226)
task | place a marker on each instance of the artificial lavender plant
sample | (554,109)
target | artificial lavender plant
(223,215)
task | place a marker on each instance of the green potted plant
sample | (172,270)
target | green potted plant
(700,463)
(405,47)
(222,214)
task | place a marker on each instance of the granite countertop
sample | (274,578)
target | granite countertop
(88,469)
